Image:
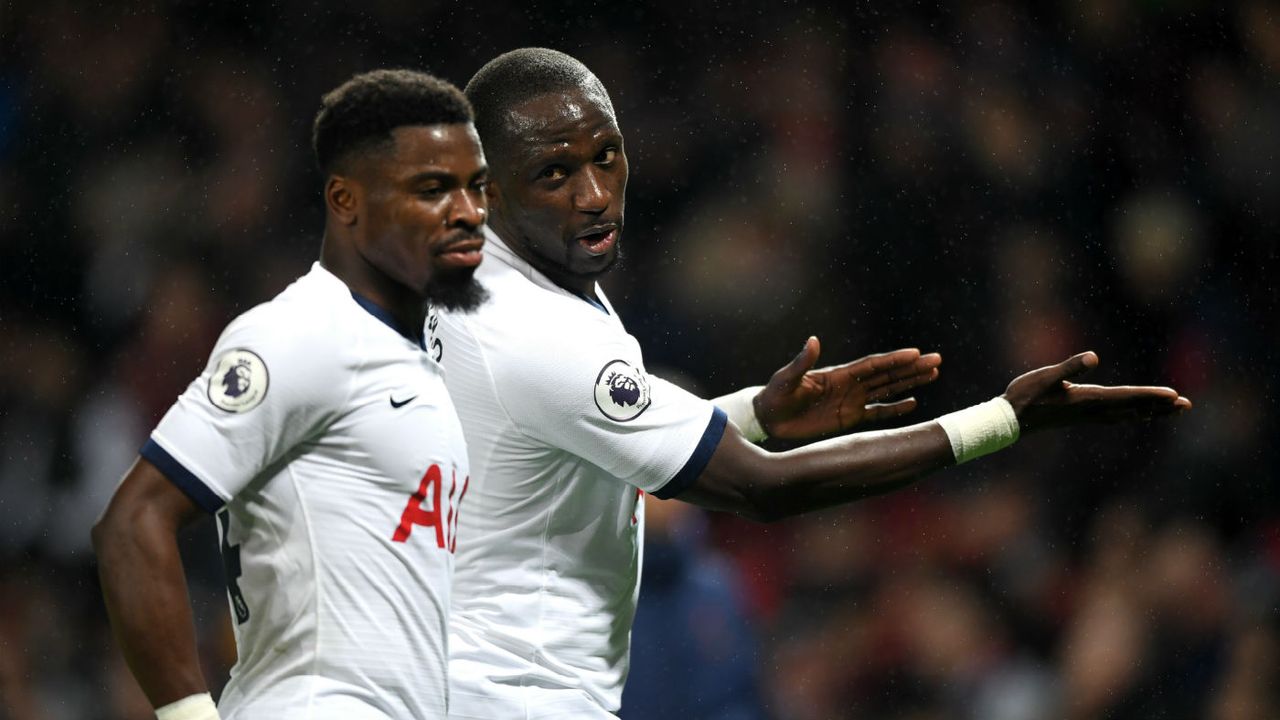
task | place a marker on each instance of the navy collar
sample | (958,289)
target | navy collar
(591,301)
(387,319)
(496,247)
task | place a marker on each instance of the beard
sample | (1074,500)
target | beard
(458,292)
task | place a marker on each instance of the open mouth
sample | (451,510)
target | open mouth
(599,241)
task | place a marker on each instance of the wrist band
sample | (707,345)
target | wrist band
(742,413)
(191,707)
(981,429)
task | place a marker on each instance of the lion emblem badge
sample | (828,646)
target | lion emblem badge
(238,382)
(622,391)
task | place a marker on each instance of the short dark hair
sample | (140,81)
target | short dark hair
(360,114)
(516,76)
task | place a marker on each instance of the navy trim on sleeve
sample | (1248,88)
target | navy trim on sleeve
(188,483)
(698,460)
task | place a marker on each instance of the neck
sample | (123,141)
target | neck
(409,309)
(514,240)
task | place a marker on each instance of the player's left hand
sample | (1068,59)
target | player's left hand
(800,403)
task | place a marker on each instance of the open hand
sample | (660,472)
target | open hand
(1045,397)
(800,403)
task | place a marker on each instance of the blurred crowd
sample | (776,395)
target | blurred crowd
(1005,183)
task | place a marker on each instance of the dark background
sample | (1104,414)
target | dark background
(1005,183)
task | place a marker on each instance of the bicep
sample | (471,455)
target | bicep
(146,499)
(764,486)
(611,412)
(735,477)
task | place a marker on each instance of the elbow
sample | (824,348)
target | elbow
(116,526)
(102,532)
(760,504)
(766,516)
(756,491)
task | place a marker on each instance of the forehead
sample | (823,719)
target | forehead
(452,149)
(559,119)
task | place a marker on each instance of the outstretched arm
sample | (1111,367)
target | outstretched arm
(744,479)
(144,585)
(803,403)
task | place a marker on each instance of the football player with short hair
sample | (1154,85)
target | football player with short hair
(566,427)
(321,435)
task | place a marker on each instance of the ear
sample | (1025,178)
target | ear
(343,197)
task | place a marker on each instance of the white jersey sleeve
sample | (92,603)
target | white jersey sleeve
(269,385)
(596,400)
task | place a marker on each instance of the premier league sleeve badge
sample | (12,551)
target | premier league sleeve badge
(622,391)
(239,381)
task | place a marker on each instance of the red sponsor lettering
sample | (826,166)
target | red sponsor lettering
(415,514)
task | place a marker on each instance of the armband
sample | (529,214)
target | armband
(981,429)
(742,413)
(191,707)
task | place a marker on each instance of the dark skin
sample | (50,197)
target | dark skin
(404,214)
(764,486)
(396,218)
(144,585)
(800,403)
(564,186)
(562,172)
(561,185)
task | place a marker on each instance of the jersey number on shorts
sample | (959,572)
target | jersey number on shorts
(415,514)
(231,566)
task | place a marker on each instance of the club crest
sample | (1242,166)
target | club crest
(239,381)
(622,391)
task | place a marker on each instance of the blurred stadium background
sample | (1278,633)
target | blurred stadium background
(1002,182)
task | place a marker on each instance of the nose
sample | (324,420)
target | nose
(593,194)
(468,209)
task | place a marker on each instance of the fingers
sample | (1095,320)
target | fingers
(872,366)
(1121,393)
(1050,377)
(900,386)
(1077,365)
(791,373)
(1145,409)
(1126,402)
(888,411)
(923,365)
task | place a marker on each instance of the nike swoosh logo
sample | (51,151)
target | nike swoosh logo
(402,403)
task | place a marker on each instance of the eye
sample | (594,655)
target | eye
(553,172)
(433,191)
(607,156)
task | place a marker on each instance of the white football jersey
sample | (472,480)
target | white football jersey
(565,428)
(328,447)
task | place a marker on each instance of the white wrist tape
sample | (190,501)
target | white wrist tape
(742,413)
(981,429)
(191,707)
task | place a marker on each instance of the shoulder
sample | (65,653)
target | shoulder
(316,311)
(524,321)
(303,333)
(561,336)
(288,328)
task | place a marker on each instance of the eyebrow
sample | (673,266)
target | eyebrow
(553,148)
(441,175)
